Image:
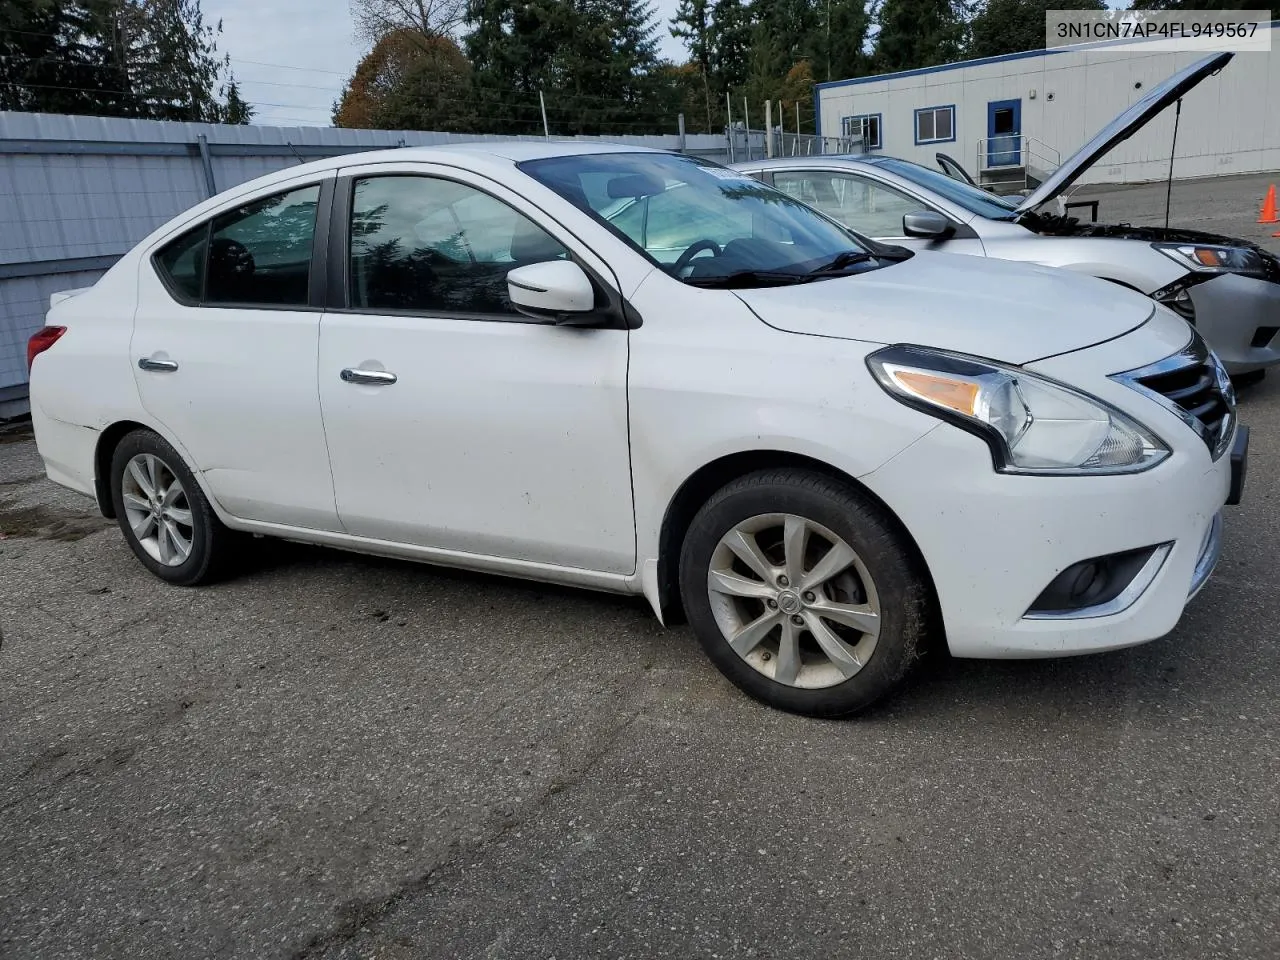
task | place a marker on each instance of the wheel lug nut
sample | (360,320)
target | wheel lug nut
(809,596)
(771,604)
(766,656)
(798,620)
(783,582)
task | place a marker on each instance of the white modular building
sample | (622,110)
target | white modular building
(1017,116)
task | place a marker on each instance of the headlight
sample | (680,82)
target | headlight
(1212,259)
(1032,424)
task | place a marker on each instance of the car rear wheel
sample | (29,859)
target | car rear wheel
(165,517)
(803,592)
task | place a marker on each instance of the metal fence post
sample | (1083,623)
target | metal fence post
(768,129)
(728,125)
(680,125)
(746,118)
(202,143)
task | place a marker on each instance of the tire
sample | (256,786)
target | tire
(814,652)
(208,544)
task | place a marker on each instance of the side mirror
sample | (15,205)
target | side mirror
(555,290)
(928,224)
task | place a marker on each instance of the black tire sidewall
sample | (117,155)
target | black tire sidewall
(203,521)
(902,591)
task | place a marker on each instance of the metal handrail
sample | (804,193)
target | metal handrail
(1026,148)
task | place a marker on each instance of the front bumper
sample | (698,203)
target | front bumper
(992,542)
(1240,319)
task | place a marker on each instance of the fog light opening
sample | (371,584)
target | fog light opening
(1100,585)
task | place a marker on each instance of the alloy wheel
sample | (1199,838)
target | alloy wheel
(794,600)
(157,509)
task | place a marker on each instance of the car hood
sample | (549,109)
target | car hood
(1123,127)
(998,309)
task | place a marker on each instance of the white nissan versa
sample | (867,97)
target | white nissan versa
(507,357)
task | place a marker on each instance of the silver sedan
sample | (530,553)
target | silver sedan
(1227,287)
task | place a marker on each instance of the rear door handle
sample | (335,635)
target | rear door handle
(157,366)
(377,378)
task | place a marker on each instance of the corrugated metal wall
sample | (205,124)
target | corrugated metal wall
(77,192)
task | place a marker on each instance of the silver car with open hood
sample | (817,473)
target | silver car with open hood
(1227,287)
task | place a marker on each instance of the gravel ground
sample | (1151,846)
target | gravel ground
(338,757)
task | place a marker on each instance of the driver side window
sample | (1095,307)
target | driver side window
(870,208)
(429,245)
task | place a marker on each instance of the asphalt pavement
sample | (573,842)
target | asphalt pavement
(332,756)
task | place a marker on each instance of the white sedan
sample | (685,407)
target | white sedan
(644,373)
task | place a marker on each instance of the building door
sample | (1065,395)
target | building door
(1004,133)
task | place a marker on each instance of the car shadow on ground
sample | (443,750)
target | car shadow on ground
(1104,682)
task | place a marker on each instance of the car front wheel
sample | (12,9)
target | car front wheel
(803,592)
(165,517)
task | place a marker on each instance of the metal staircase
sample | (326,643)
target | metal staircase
(1014,163)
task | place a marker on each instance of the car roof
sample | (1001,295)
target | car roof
(850,159)
(482,156)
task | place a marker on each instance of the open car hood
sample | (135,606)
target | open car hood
(1122,128)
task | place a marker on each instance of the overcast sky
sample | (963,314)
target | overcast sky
(292,56)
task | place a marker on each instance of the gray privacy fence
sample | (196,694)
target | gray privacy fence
(77,192)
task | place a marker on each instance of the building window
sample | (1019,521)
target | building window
(864,127)
(936,124)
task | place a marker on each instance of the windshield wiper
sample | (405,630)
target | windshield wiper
(748,278)
(841,263)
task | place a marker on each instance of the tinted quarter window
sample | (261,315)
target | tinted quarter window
(431,245)
(260,253)
(182,262)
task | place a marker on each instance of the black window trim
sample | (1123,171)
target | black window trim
(317,269)
(617,314)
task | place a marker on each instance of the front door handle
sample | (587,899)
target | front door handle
(157,366)
(377,378)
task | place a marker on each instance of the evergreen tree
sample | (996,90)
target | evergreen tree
(919,33)
(236,110)
(692,24)
(167,52)
(133,58)
(594,60)
(1205,5)
(1009,26)
(731,36)
(839,39)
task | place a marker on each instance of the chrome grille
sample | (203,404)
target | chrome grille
(1194,385)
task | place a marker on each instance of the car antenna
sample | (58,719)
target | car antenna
(294,150)
(1168,190)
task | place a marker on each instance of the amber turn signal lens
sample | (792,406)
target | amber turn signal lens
(1208,257)
(958,395)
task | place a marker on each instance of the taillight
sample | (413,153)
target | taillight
(40,341)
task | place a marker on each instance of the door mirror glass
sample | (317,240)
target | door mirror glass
(928,224)
(557,290)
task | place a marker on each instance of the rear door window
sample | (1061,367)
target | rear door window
(260,254)
(257,255)
(182,264)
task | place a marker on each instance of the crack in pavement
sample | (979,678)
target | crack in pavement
(356,916)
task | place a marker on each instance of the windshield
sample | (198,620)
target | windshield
(974,199)
(697,220)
